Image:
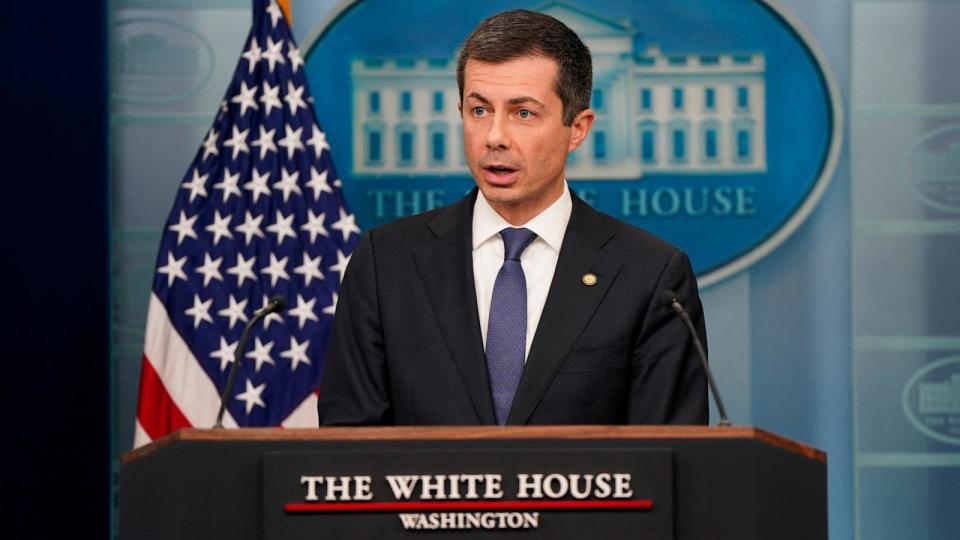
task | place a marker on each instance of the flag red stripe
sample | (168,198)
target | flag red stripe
(156,411)
(645,504)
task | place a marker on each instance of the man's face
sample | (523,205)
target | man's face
(513,134)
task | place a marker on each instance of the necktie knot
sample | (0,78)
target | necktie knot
(515,240)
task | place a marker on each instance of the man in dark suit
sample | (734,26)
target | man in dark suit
(518,304)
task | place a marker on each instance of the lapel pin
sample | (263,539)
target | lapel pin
(589,279)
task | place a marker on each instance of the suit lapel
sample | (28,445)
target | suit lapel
(446,270)
(569,307)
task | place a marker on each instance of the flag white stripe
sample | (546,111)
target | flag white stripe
(305,415)
(183,378)
(140,436)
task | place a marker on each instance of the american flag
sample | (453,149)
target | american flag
(259,213)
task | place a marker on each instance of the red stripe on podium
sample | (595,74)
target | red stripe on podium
(414,506)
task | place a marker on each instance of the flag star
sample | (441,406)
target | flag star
(332,308)
(259,184)
(309,269)
(243,269)
(346,224)
(294,97)
(288,183)
(234,312)
(274,11)
(338,183)
(270,97)
(252,55)
(210,269)
(341,266)
(270,316)
(303,311)
(210,144)
(245,98)
(272,53)
(252,396)
(224,353)
(229,184)
(200,311)
(318,183)
(223,108)
(265,142)
(314,225)
(297,353)
(277,269)
(261,353)
(184,227)
(238,142)
(250,227)
(197,185)
(173,269)
(291,141)
(318,140)
(220,227)
(282,227)
(293,54)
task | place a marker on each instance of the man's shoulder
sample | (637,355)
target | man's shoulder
(624,237)
(408,232)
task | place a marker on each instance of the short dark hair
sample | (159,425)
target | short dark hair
(513,34)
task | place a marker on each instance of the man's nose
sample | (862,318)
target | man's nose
(497,135)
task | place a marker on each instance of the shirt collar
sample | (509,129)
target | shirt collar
(549,225)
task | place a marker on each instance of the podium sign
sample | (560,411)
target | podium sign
(557,482)
(528,493)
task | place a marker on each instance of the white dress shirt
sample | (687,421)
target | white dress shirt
(538,261)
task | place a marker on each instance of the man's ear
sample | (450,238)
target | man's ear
(580,127)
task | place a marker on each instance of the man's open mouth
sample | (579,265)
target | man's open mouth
(500,170)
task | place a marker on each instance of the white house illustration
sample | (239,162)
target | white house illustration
(657,112)
(941,397)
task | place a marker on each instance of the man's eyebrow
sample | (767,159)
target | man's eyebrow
(525,99)
(478,97)
(512,101)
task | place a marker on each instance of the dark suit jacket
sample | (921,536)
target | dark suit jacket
(407,350)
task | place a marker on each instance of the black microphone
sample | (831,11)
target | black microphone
(670,298)
(274,305)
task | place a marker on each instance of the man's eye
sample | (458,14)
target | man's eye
(525,114)
(479,111)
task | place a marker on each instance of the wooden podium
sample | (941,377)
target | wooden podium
(682,482)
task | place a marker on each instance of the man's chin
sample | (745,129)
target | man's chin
(500,194)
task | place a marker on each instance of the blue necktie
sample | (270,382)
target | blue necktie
(507,329)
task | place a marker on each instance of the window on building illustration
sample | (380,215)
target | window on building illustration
(374,102)
(599,146)
(438,142)
(374,142)
(646,99)
(709,98)
(678,98)
(598,99)
(679,145)
(406,142)
(406,102)
(438,102)
(744,151)
(438,147)
(743,97)
(710,143)
(648,141)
